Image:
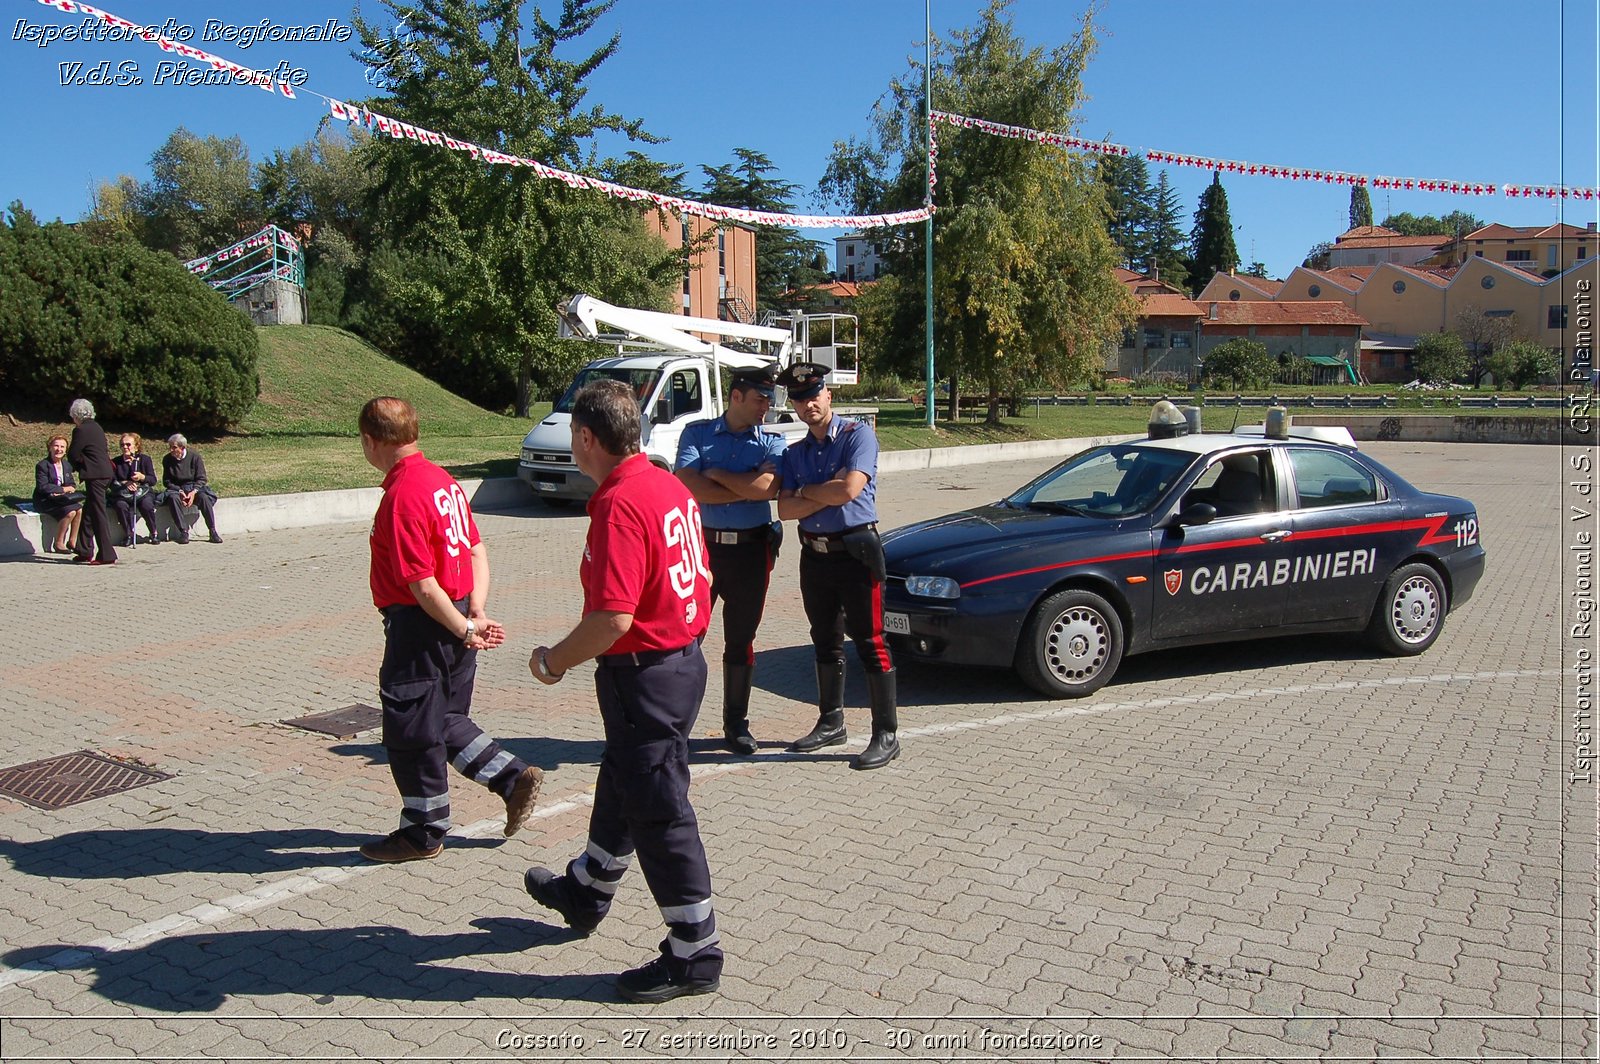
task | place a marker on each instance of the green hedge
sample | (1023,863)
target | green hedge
(127,328)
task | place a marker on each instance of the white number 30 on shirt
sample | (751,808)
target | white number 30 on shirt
(683,532)
(451,503)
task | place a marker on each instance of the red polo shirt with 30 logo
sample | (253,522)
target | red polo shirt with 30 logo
(646,555)
(423,528)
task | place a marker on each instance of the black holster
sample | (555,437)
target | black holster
(865,547)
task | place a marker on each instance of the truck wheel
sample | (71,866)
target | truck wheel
(1071,645)
(1410,612)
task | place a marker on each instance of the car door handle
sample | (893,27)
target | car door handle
(1276,537)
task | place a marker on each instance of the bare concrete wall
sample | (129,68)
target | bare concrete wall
(1460,428)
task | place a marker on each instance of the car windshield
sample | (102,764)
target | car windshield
(642,381)
(1106,482)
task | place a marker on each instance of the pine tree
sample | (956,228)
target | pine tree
(784,258)
(1131,201)
(1166,256)
(1360,207)
(1212,238)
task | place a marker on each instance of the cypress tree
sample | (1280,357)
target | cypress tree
(1212,238)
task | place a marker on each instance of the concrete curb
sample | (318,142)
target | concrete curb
(22,535)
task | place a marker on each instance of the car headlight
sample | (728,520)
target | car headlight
(941,587)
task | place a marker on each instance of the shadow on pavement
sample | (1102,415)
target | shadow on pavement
(548,754)
(200,972)
(131,852)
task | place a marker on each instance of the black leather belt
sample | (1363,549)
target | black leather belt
(728,537)
(830,542)
(643,657)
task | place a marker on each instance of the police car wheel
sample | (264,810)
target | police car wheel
(1410,611)
(1071,645)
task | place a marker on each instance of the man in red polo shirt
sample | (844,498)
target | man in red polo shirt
(430,580)
(646,604)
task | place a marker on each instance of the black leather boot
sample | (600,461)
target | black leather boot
(736,708)
(885,746)
(830,710)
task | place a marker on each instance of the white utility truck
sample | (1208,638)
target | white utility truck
(676,376)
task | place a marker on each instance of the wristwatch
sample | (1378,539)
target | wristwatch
(472,630)
(545,670)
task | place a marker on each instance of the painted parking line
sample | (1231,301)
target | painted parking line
(270,894)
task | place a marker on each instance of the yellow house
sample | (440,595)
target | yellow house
(1404,300)
(1542,250)
(1232,287)
(1342,284)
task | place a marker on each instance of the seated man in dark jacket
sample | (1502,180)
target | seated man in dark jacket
(183,475)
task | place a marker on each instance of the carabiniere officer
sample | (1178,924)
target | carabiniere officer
(730,466)
(828,486)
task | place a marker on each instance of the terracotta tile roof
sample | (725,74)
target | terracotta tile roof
(1169,304)
(1496,231)
(1397,241)
(1434,275)
(1362,231)
(1350,278)
(1293,312)
(1265,285)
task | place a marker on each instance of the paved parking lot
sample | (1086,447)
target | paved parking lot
(1284,850)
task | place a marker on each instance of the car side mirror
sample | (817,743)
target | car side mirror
(1197,513)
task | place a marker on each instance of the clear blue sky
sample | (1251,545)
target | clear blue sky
(1480,90)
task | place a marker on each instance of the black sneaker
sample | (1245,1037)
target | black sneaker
(549,890)
(655,983)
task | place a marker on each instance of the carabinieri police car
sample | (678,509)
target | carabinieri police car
(1178,539)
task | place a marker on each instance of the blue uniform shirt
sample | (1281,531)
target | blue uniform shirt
(712,445)
(849,445)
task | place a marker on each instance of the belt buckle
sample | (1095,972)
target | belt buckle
(818,545)
(727,539)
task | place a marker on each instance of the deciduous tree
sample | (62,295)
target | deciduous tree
(1439,358)
(478,255)
(1024,283)
(1520,363)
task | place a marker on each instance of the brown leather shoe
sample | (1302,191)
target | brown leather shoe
(523,794)
(395,847)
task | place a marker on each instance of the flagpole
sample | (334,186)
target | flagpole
(927,240)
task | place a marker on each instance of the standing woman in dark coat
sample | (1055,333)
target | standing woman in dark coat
(55,494)
(88,453)
(135,475)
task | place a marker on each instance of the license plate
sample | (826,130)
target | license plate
(543,485)
(897,622)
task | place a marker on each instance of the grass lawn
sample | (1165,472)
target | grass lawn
(301,435)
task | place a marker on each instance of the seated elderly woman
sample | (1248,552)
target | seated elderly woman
(56,494)
(133,486)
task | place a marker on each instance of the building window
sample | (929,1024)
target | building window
(1519,255)
(1499,313)
(877,249)
(849,251)
(1550,256)
(1314,291)
(1399,287)
(1234,295)
(1479,253)
(1386,360)
(1487,282)
(1372,257)
(1557,318)
(1182,341)
(1155,338)
(1583,252)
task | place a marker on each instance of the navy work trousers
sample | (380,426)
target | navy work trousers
(425,684)
(641,804)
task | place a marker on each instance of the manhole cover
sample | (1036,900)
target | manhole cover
(341,723)
(57,782)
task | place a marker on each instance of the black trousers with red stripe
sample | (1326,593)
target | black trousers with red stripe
(740,575)
(842,598)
